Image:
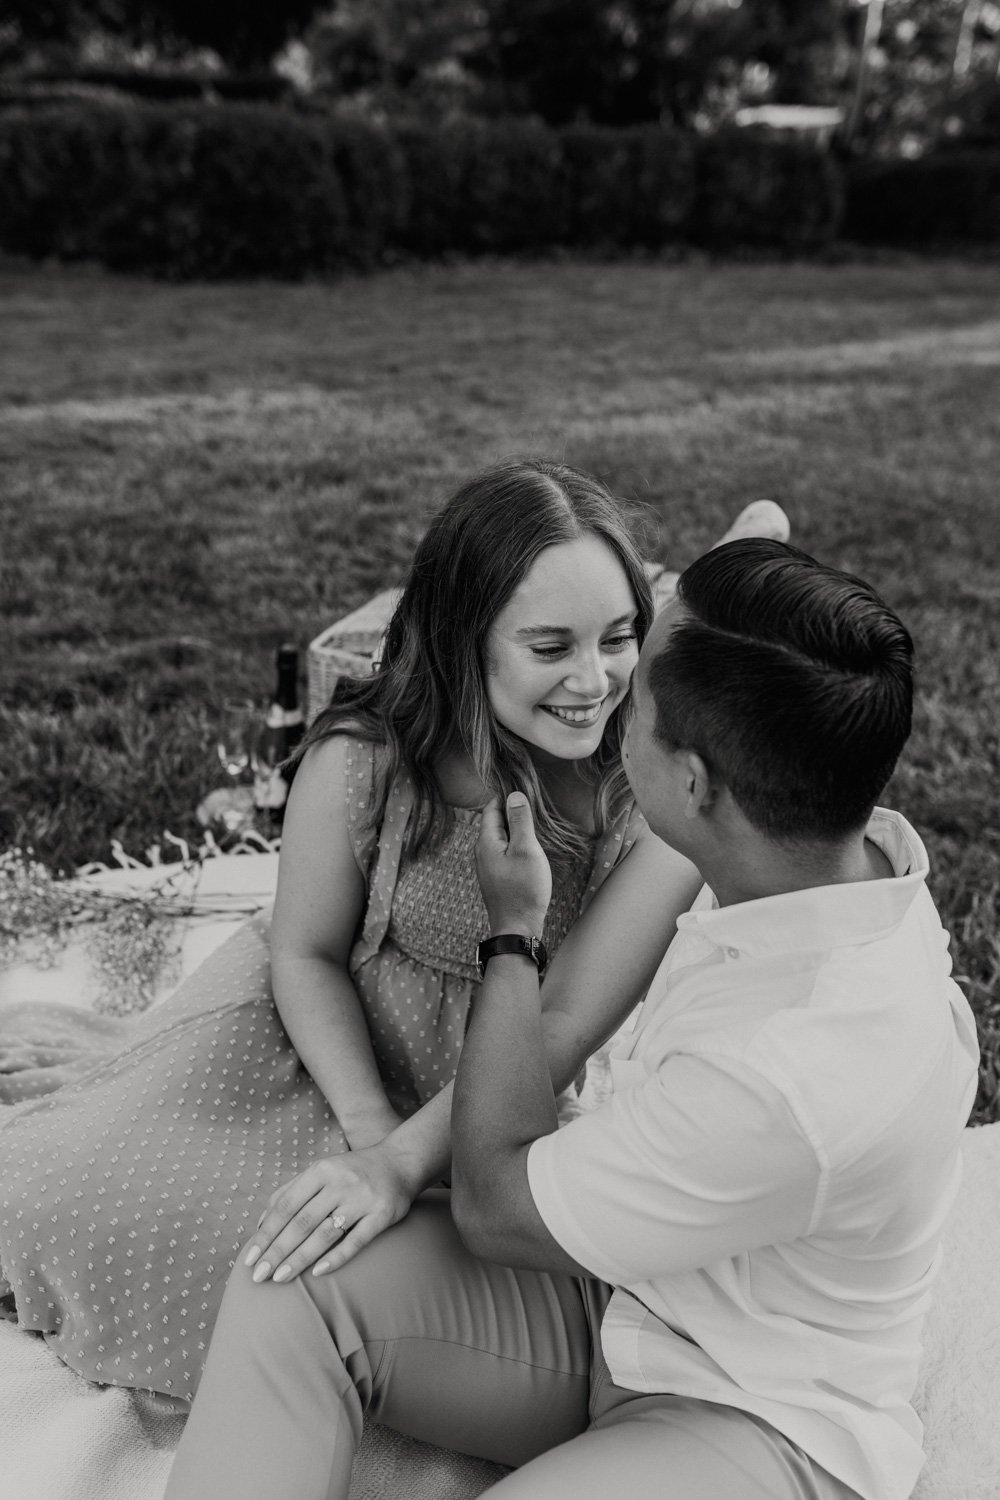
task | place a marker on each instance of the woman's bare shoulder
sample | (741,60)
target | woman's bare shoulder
(340,744)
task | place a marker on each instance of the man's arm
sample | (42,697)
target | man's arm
(701,1160)
(503,1098)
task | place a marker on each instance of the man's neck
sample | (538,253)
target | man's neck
(753,868)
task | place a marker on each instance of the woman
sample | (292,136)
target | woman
(317,1069)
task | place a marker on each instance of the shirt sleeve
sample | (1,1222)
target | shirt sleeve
(699,1162)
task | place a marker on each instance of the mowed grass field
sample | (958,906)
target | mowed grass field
(190,474)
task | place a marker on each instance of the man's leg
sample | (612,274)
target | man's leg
(763,518)
(414,1331)
(673,1448)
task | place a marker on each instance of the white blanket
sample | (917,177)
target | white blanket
(64,1439)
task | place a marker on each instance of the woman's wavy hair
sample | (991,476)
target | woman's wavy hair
(427,697)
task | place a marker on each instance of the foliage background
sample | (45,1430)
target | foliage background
(687,63)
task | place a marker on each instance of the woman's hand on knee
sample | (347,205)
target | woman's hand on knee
(329,1212)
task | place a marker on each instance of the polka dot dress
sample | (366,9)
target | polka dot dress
(125,1194)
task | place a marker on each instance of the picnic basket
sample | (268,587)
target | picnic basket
(348,647)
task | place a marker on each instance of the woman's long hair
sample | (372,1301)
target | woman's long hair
(427,698)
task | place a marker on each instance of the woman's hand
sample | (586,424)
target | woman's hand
(329,1212)
(513,871)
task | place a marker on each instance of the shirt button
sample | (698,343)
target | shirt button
(732,953)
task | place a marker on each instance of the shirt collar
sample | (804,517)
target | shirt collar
(829,916)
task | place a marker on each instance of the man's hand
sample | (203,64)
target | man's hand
(513,871)
(329,1212)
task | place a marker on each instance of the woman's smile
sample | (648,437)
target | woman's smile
(584,717)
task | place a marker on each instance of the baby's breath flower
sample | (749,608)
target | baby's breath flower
(129,937)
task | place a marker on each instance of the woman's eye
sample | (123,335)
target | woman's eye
(615,643)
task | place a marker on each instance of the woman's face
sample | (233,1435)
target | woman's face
(560,653)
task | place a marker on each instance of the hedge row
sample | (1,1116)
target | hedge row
(189,190)
(949,198)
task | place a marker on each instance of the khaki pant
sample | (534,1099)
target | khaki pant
(499,1363)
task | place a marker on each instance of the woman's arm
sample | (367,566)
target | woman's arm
(319,905)
(601,971)
(607,960)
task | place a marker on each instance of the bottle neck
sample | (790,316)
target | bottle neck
(279,717)
(286,693)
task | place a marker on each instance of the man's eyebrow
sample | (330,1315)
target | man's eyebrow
(628,619)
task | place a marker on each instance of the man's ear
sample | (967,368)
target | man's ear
(700,789)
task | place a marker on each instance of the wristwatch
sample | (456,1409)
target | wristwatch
(510,942)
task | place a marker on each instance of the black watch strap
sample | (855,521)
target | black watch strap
(510,942)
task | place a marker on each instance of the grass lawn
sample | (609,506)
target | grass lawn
(189,474)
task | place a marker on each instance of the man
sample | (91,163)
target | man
(714,1285)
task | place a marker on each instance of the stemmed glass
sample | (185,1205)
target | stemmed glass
(234,745)
(236,728)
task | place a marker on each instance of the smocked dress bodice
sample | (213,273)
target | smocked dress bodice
(414,962)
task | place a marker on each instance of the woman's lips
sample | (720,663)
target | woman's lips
(580,717)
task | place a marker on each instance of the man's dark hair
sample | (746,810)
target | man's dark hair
(793,682)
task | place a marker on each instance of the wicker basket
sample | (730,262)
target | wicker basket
(348,647)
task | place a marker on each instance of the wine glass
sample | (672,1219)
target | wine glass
(236,728)
(232,809)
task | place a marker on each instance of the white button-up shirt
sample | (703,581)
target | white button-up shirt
(766,1188)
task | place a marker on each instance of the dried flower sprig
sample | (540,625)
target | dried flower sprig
(130,937)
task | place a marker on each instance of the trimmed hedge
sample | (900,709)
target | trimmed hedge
(42,85)
(200,190)
(627,188)
(757,191)
(177,190)
(948,198)
(435,164)
(512,197)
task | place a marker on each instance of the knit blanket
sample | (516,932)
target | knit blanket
(65,1439)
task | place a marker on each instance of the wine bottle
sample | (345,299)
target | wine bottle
(280,733)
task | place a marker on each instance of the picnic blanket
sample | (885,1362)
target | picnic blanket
(62,1438)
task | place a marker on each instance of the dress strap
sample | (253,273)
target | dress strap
(359,774)
(612,847)
(383,869)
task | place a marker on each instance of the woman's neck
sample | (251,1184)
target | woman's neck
(568,791)
(462,786)
(460,782)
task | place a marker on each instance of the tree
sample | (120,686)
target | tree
(244,33)
(399,56)
(803,44)
(671,60)
(932,63)
(680,53)
(561,60)
(59,24)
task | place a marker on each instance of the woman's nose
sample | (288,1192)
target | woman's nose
(588,676)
